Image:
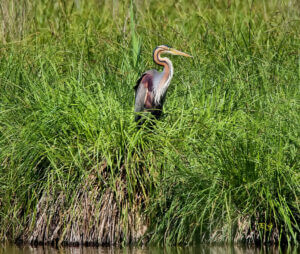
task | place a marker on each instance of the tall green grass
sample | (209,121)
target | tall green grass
(223,162)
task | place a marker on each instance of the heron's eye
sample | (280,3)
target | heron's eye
(167,46)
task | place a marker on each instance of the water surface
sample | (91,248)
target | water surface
(202,249)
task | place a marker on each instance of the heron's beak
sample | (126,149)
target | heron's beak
(177,52)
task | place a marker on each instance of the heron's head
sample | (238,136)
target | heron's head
(165,49)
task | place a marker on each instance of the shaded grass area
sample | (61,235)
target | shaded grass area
(221,165)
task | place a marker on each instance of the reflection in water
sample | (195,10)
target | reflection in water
(201,249)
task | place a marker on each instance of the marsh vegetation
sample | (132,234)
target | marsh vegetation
(222,165)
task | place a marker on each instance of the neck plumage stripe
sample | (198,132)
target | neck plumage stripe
(157,59)
(167,75)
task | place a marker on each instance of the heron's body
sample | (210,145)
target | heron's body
(152,86)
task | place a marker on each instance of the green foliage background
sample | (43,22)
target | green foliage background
(223,159)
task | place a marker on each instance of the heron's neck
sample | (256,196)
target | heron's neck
(164,83)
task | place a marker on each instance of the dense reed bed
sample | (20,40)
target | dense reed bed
(222,165)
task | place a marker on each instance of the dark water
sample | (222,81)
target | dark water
(202,249)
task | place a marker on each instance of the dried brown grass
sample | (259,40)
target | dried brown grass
(94,216)
(14,16)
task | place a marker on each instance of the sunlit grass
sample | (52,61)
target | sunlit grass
(221,163)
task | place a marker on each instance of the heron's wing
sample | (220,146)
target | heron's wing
(139,81)
(144,92)
(149,73)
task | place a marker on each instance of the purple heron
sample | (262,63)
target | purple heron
(151,88)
